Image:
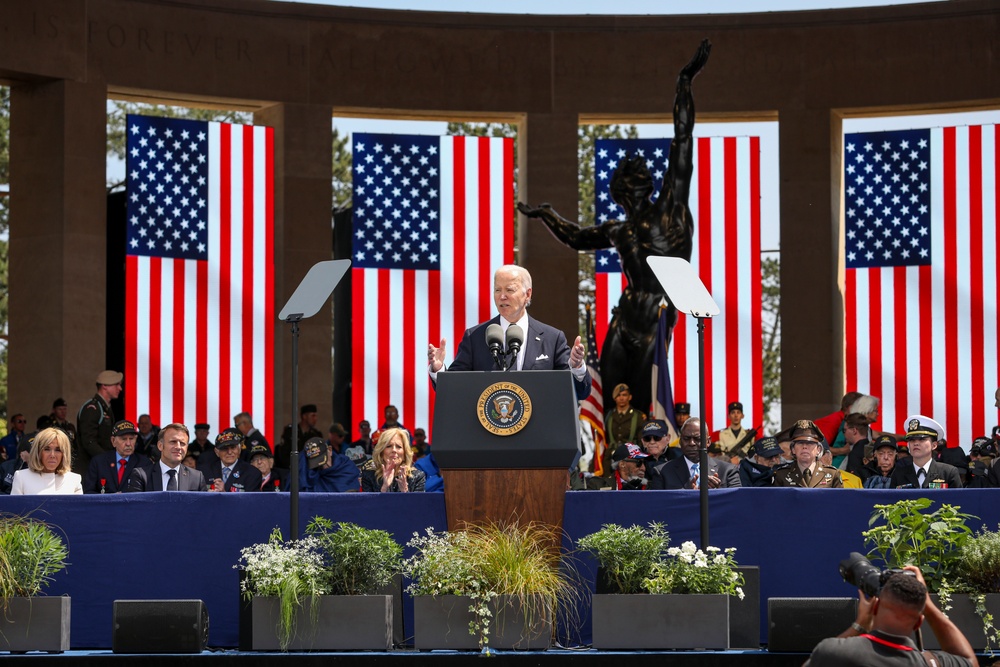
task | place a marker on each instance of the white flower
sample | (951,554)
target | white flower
(719,559)
(689,548)
(739,592)
(674,551)
(712,550)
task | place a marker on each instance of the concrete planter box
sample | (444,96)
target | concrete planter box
(963,614)
(344,623)
(35,624)
(681,622)
(442,622)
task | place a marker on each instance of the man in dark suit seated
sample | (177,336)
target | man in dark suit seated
(169,473)
(544,348)
(109,472)
(686,472)
(922,471)
(229,472)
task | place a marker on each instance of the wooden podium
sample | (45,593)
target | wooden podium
(504,442)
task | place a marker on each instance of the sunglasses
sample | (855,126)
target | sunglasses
(652,438)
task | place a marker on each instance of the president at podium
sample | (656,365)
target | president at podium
(512,340)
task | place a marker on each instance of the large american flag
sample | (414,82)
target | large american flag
(433,218)
(199,313)
(725,202)
(921,279)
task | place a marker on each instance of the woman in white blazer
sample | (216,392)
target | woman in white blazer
(48,470)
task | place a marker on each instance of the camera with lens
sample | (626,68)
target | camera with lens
(859,572)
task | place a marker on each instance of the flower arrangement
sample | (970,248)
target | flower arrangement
(485,562)
(626,555)
(331,560)
(689,570)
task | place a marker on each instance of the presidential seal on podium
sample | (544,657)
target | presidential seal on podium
(504,408)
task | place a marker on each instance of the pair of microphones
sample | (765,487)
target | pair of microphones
(504,351)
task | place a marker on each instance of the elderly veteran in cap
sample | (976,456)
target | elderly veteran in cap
(272,479)
(686,472)
(880,470)
(95,421)
(628,462)
(229,472)
(806,471)
(321,470)
(758,470)
(109,472)
(655,436)
(622,423)
(922,471)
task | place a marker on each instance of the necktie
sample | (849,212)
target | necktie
(172,483)
(121,470)
(225,475)
(696,471)
(920,477)
(807,475)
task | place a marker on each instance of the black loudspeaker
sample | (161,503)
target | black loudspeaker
(798,624)
(160,626)
(744,615)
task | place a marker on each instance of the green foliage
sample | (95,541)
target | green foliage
(627,555)
(484,562)
(688,570)
(357,561)
(910,535)
(979,563)
(30,554)
(341,170)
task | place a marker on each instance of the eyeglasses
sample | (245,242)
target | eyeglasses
(652,438)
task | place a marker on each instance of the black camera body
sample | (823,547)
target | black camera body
(859,572)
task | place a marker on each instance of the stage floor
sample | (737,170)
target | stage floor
(550,658)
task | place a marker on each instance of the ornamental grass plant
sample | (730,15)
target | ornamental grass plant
(31,553)
(484,562)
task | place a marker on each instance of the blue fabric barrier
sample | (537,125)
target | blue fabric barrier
(184,545)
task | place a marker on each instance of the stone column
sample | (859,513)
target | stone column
(547,164)
(58,243)
(812,309)
(303,139)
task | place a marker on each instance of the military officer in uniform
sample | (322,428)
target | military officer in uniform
(922,471)
(95,421)
(58,419)
(806,471)
(623,424)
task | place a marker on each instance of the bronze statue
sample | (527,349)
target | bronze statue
(661,228)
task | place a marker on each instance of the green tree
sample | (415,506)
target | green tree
(771,333)
(341,170)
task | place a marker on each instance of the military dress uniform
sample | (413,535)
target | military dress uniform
(94,423)
(821,477)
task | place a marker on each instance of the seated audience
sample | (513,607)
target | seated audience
(230,473)
(655,443)
(849,479)
(391,468)
(167,472)
(323,471)
(48,470)
(885,462)
(109,472)
(628,462)
(272,479)
(686,472)
(922,471)
(758,470)
(806,471)
(19,462)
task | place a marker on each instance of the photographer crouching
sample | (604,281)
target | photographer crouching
(892,606)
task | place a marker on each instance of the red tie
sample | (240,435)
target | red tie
(121,470)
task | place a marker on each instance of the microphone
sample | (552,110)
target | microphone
(494,338)
(515,338)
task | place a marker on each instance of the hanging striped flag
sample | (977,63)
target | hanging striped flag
(662,393)
(199,271)
(592,408)
(433,218)
(725,202)
(921,279)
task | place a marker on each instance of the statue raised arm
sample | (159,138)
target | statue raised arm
(660,228)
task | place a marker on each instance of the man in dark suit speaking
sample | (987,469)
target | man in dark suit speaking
(544,347)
